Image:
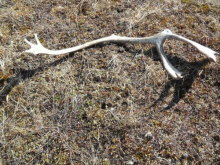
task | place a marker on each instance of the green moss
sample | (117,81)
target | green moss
(186,1)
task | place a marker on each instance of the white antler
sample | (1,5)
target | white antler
(157,40)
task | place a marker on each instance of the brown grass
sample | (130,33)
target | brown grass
(111,103)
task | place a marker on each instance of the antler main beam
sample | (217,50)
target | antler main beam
(156,40)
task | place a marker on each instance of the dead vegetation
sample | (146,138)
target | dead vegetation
(111,103)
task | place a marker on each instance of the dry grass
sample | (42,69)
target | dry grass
(111,103)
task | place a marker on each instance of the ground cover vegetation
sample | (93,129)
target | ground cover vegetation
(111,103)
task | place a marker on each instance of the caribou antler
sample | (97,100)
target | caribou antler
(157,40)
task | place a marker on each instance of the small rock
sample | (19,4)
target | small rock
(148,135)
(129,162)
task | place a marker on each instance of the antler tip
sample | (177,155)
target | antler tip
(28,42)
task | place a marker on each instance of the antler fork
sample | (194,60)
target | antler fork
(156,40)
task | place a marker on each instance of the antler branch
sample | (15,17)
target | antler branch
(156,40)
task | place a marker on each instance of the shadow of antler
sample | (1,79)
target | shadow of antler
(23,74)
(181,87)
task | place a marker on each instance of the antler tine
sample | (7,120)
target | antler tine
(28,42)
(38,42)
(206,51)
(36,48)
(166,63)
